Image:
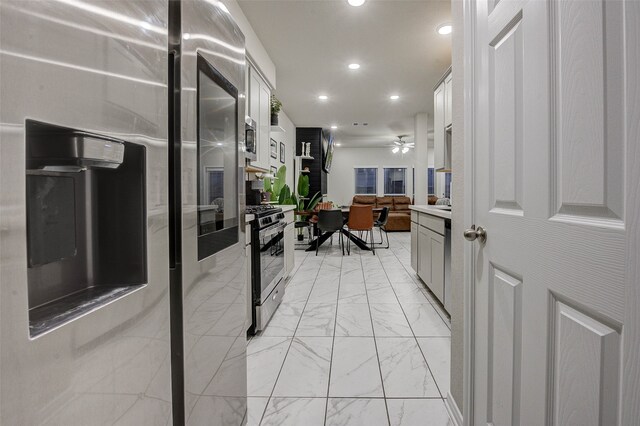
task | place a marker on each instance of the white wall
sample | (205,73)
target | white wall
(289,140)
(255,49)
(341,180)
(421,156)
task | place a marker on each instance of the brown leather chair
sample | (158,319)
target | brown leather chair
(361,219)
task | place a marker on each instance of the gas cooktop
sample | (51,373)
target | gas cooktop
(262,210)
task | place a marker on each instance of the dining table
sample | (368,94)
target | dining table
(322,238)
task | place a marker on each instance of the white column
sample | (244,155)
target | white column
(421,160)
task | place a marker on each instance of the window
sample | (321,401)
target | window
(395,181)
(366,180)
(447,185)
(431,181)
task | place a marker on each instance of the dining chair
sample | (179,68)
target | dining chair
(331,221)
(361,219)
(381,224)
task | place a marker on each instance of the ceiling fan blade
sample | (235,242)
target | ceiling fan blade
(397,142)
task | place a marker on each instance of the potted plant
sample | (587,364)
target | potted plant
(276,107)
(303,203)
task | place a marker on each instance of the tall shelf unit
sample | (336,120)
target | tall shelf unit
(317,176)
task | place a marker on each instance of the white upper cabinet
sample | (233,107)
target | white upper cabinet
(438,127)
(448,96)
(260,111)
(442,118)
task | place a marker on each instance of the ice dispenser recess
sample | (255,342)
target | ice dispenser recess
(86,222)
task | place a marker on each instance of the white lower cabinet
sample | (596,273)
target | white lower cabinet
(428,253)
(414,245)
(289,244)
(436,265)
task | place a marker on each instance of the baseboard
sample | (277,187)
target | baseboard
(453,410)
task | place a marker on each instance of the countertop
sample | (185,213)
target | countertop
(249,217)
(286,207)
(432,210)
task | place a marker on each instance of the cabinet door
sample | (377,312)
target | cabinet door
(424,255)
(414,246)
(438,127)
(448,97)
(264,126)
(254,95)
(436,243)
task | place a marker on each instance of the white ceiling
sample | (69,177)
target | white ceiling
(312,42)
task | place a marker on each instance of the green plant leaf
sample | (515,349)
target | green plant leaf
(280,180)
(285,194)
(267,185)
(313,202)
(303,185)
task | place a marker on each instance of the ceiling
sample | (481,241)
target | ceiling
(312,42)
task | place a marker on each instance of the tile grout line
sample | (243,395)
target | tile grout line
(291,342)
(375,343)
(412,331)
(333,343)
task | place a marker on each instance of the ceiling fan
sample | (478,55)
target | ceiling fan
(402,145)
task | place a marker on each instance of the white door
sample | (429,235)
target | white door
(549,149)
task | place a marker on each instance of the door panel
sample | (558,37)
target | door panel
(549,282)
(588,138)
(505,326)
(505,97)
(587,354)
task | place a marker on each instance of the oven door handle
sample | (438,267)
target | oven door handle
(272,230)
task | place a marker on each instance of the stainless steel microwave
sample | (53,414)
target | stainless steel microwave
(251,139)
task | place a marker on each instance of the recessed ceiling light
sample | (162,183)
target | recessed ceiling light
(219,144)
(338,144)
(334,127)
(356,2)
(444,29)
(354,66)
(186,36)
(394,97)
(323,97)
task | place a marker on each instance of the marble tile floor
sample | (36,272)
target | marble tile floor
(357,340)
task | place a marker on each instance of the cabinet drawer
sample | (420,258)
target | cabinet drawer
(434,223)
(414,216)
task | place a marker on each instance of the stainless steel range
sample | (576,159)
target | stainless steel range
(267,263)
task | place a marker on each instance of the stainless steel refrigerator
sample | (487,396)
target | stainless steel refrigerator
(122,275)
(208,263)
(84,243)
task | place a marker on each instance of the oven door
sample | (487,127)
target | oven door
(271,246)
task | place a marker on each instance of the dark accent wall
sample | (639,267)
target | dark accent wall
(317,177)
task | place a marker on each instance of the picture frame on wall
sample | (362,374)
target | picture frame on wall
(274,149)
(282,152)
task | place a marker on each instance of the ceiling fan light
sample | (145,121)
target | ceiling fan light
(395,149)
(405,150)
